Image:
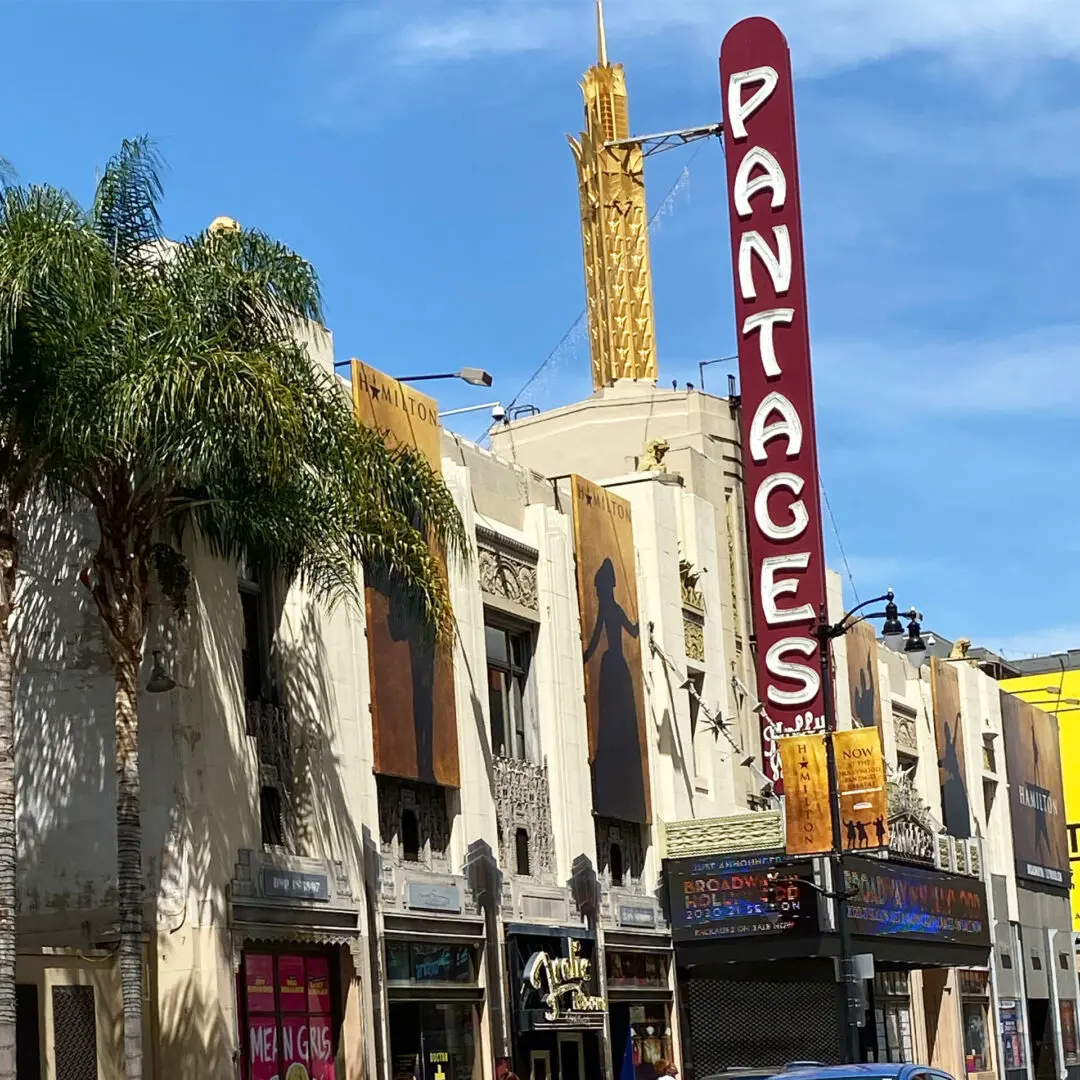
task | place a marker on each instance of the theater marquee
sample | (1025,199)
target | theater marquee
(779,445)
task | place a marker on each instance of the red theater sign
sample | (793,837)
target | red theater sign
(783,503)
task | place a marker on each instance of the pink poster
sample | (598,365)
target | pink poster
(322,1048)
(262,1049)
(295,1047)
(259,983)
(318,984)
(292,986)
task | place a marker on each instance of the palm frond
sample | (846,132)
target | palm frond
(125,211)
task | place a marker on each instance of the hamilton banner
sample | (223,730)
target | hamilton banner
(949,729)
(1036,796)
(862,668)
(611,637)
(411,676)
(807,814)
(860,773)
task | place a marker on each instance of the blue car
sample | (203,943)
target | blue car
(814,1070)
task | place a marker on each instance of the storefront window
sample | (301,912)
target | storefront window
(892,1017)
(286,1002)
(1068,1031)
(976,1041)
(433,1041)
(650,1038)
(1012,1036)
(415,963)
(637,969)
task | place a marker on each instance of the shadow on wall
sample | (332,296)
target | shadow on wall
(65,743)
(325,815)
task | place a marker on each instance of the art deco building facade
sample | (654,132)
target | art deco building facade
(306,904)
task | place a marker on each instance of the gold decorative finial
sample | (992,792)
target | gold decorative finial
(224,224)
(614,228)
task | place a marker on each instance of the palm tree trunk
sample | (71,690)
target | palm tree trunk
(8,563)
(129,856)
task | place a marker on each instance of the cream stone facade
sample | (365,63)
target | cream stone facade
(268,835)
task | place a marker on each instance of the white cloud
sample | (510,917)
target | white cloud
(1031,373)
(826,35)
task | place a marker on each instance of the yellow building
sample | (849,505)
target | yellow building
(1057,691)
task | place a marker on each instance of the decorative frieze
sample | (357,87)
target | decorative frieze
(762,831)
(904,728)
(523,801)
(694,638)
(507,575)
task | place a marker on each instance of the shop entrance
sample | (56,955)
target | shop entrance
(288,1013)
(571,1057)
(433,1040)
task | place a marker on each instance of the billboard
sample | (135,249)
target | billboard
(862,668)
(787,561)
(723,897)
(912,904)
(949,732)
(611,640)
(1036,795)
(412,676)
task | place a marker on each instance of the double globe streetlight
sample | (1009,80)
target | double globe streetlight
(914,647)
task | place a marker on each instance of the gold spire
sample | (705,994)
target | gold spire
(614,228)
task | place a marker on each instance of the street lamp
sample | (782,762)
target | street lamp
(703,364)
(474,376)
(826,632)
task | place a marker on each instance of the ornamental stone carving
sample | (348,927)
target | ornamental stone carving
(907,737)
(428,804)
(626,836)
(694,638)
(523,801)
(507,576)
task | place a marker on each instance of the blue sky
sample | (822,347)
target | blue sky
(416,153)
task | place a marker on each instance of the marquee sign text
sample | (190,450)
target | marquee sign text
(783,504)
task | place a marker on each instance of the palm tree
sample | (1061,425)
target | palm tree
(180,398)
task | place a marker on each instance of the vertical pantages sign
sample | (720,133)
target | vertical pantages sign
(611,640)
(787,559)
(414,721)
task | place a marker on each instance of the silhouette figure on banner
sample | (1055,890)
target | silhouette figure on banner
(954,798)
(849,832)
(1042,831)
(403,627)
(879,829)
(864,838)
(618,776)
(864,700)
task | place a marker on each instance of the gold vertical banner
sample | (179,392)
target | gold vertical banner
(860,775)
(611,640)
(805,768)
(862,667)
(412,678)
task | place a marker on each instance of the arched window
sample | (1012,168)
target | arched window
(618,870)
(521,850)
(410,836)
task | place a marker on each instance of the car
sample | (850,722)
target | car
(815,1070)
